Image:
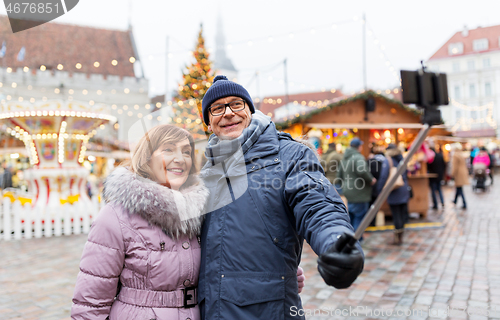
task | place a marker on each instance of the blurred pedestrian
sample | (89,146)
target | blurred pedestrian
(438,168)
(459,173)
(357,182)
(7,176)
(399,197)
(496,156)
(379,168)
(491,166)
(331,162)
(473,153)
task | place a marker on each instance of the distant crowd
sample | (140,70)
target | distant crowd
(359,181)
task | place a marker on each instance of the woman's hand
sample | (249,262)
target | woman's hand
(301,278)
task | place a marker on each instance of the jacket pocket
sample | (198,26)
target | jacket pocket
(320,180)
(258,295)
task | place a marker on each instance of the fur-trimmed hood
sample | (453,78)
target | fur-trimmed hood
(176,212)
(308,144)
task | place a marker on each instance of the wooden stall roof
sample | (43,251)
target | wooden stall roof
(388,112)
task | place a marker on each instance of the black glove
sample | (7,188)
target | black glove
(342,263)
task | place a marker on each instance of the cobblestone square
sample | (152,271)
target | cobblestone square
(453,269)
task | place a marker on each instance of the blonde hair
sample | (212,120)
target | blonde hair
(152,140)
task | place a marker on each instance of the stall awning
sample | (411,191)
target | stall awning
(379,126)
(480,133)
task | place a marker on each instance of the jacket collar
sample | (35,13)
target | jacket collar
(266,145)
(176,212)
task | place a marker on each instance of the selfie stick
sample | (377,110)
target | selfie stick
(428,91)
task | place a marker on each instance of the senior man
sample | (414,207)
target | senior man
(268,193)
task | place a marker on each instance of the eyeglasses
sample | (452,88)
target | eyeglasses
(220,109)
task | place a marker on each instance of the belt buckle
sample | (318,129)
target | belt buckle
(189,297)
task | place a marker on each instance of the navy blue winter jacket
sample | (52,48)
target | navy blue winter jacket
(251,247)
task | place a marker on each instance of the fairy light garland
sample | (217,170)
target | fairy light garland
(465,123)
(459,105)
(383,55)
(78,65)
(57,113)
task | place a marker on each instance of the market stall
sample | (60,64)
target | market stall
(377,120)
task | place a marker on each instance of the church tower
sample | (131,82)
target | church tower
(222,64)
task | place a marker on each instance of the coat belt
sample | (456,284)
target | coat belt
(156,299)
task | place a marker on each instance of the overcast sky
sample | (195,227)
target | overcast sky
(321,40)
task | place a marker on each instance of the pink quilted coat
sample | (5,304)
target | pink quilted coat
(142,256)
(482,158)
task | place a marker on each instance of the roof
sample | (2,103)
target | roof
(51,44)
(269,104)
(340,102)
(491,33)
(159,98)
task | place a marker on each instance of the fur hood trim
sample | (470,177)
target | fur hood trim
(308,144)
(176,212)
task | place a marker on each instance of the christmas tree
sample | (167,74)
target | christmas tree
(196,80)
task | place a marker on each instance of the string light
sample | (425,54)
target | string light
(465,123)
(381,48)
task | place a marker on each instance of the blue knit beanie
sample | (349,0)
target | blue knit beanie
(222,88)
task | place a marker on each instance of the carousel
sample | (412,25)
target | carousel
(55,134)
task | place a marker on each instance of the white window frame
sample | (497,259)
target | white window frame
(472,89)
(471,65)
(455,48)
(488,93)
(480,44)
(456,89)
(488,64)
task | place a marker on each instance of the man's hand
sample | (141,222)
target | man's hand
(342,263)
(301,278)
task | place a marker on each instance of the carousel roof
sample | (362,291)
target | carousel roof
(51,44)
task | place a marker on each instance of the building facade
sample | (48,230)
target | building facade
(75,63)
(471,60)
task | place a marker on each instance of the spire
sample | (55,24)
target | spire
(130,14)
(221,61)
